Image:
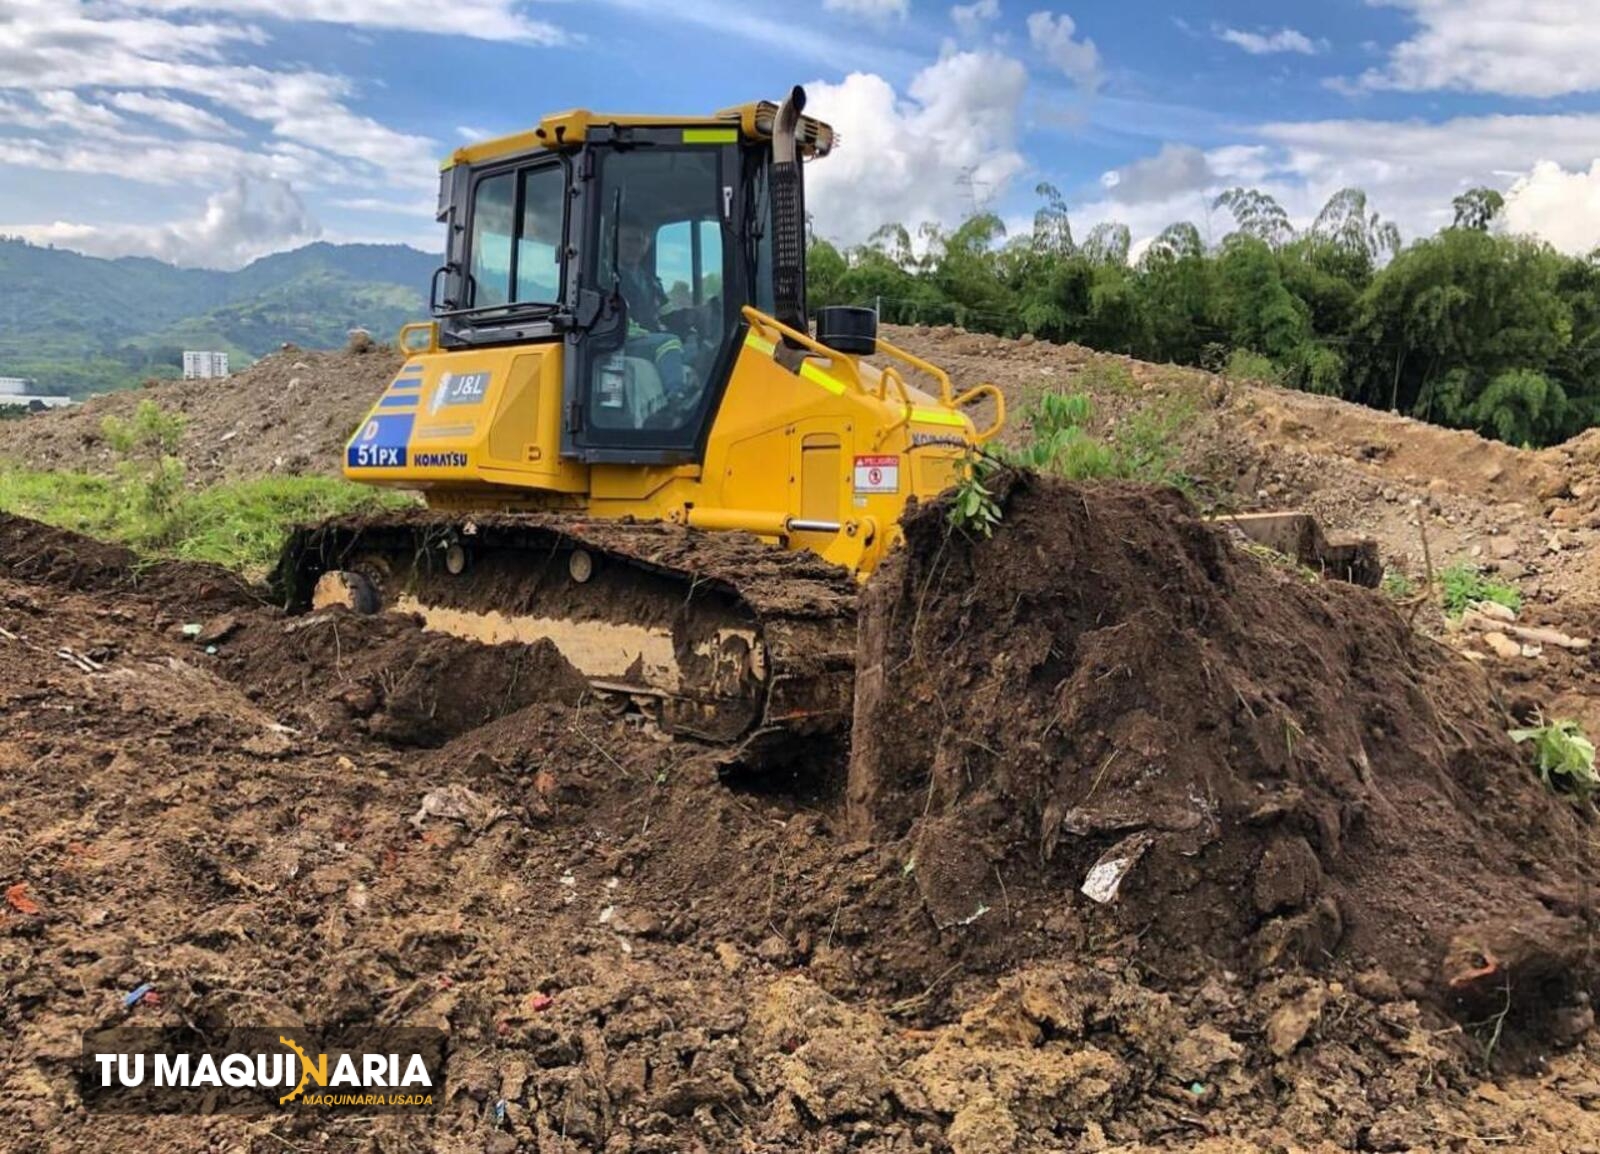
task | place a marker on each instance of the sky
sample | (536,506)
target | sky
(211,132)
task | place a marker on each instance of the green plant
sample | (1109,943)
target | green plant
(1563,756)
(1060,443)
(145,448)
(1147,442)
(1398,586)
(1245,365)
(1464,583)
(1106,375)
(972,506)
(1143,447)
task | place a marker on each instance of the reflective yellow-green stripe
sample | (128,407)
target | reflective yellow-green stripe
(938,417)
(817,377)
(710,135)
(765,348)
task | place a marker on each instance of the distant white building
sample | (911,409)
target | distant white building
(20,393)
(204,366)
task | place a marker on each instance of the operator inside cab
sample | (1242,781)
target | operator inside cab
(648,338)
(669,275)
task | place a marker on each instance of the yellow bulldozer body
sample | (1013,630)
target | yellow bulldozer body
(823,456)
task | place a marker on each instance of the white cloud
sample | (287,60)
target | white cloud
(1054,37)
(246,220)
(1412,169)
(1560,206)
(786,36)
(300,111)
(970,19)
(909,160)
(481,19)
(1537,48)
(56,109)
(1176,168)
(880,10)
(1267,43)
(178,113)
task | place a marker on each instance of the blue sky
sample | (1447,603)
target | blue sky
(212,131)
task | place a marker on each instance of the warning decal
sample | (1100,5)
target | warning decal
(877,474)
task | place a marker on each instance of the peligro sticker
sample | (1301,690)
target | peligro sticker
(877,474)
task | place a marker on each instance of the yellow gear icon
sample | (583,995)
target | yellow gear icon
(305,1071)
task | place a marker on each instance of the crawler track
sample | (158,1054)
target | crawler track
(727,639)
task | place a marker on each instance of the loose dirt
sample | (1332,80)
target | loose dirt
(276,819)
(1352,920)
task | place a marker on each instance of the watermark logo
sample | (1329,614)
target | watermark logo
(258,1070)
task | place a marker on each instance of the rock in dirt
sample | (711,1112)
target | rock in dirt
(1502,645)
(1291,1022)
(1106,875)
(458,803)
(1495,610)
(217,630)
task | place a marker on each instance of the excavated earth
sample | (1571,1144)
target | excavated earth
(1347,916)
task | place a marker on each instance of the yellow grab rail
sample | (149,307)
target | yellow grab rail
(836,360)
(886,374)
(974,394)
(946,391)
(770,328)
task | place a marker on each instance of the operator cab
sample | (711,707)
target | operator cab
(636,241)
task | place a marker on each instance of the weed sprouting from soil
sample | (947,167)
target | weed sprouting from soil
(1398,585)
(1563,756)
(1141,448)
(973,507)
(1463,584)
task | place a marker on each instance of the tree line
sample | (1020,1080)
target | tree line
(1468,328)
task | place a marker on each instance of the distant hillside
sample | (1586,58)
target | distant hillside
(81,325)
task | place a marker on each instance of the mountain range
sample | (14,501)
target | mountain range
(79,324)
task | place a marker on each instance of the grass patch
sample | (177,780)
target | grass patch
(1105,375)
(1398,586)
(1463,583)
(1244,365)
(239,524)
(1142,448)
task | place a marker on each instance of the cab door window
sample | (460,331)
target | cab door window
(671,265)
(518,226)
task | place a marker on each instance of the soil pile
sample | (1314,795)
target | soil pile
(630,955)
(1276,771)
(290,412)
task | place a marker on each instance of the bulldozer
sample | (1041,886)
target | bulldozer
(630,440)
(628,437)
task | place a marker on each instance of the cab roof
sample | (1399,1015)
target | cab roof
(562,130)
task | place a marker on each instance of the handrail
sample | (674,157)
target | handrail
(972,395)
(836,360)
(771,327)
(886,374)
(946,390)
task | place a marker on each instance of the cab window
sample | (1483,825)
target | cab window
(671,266)
(518,220)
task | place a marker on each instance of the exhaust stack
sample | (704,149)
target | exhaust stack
(788,216)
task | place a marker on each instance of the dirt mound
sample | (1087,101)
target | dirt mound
(1276,770)
(34,552)
(627,953)
(290,412)
(336,672)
